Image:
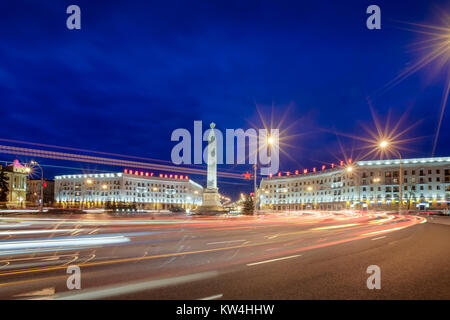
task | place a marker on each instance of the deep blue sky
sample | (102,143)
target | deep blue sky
(137,70)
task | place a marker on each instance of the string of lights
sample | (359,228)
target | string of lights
(107,161)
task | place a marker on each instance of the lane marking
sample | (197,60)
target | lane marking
(273,260)
(217,296)
(50,291)
(379,238)
(222,242)
(15,283)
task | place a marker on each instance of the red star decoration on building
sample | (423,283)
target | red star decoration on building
(247,175)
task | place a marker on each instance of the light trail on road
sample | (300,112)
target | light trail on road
(186,245)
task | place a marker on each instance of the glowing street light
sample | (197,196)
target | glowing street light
(384,144)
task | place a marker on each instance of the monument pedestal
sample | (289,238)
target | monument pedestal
(211,203)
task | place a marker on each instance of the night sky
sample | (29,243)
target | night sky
(137,70)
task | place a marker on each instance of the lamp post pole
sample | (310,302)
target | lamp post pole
(255,210)
(374,194)
(400,176)
(358,183)
(384,145)
(269,141)
(83,191)
(82,196)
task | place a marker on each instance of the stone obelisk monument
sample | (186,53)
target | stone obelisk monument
(211,198)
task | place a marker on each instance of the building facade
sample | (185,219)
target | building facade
(364,184)
(145,189)
(16,176)
(34,189)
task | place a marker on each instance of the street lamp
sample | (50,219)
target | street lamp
(41,195)
(384,144)
(357,182)
(83,191)
(375,199)
(269,142)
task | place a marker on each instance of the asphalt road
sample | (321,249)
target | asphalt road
(311,256)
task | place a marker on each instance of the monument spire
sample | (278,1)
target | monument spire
(212,159)
(211,197)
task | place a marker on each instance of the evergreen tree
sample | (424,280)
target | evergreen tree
(4,187)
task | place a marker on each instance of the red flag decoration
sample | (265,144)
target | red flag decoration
(247,175)
(279,174)
(296,171)
(349,160)
(314,169)
(270,175)
(305,170)
(332,165)
(323,167)
(341,163)
(288,173)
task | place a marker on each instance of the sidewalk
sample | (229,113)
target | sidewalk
(438,219)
